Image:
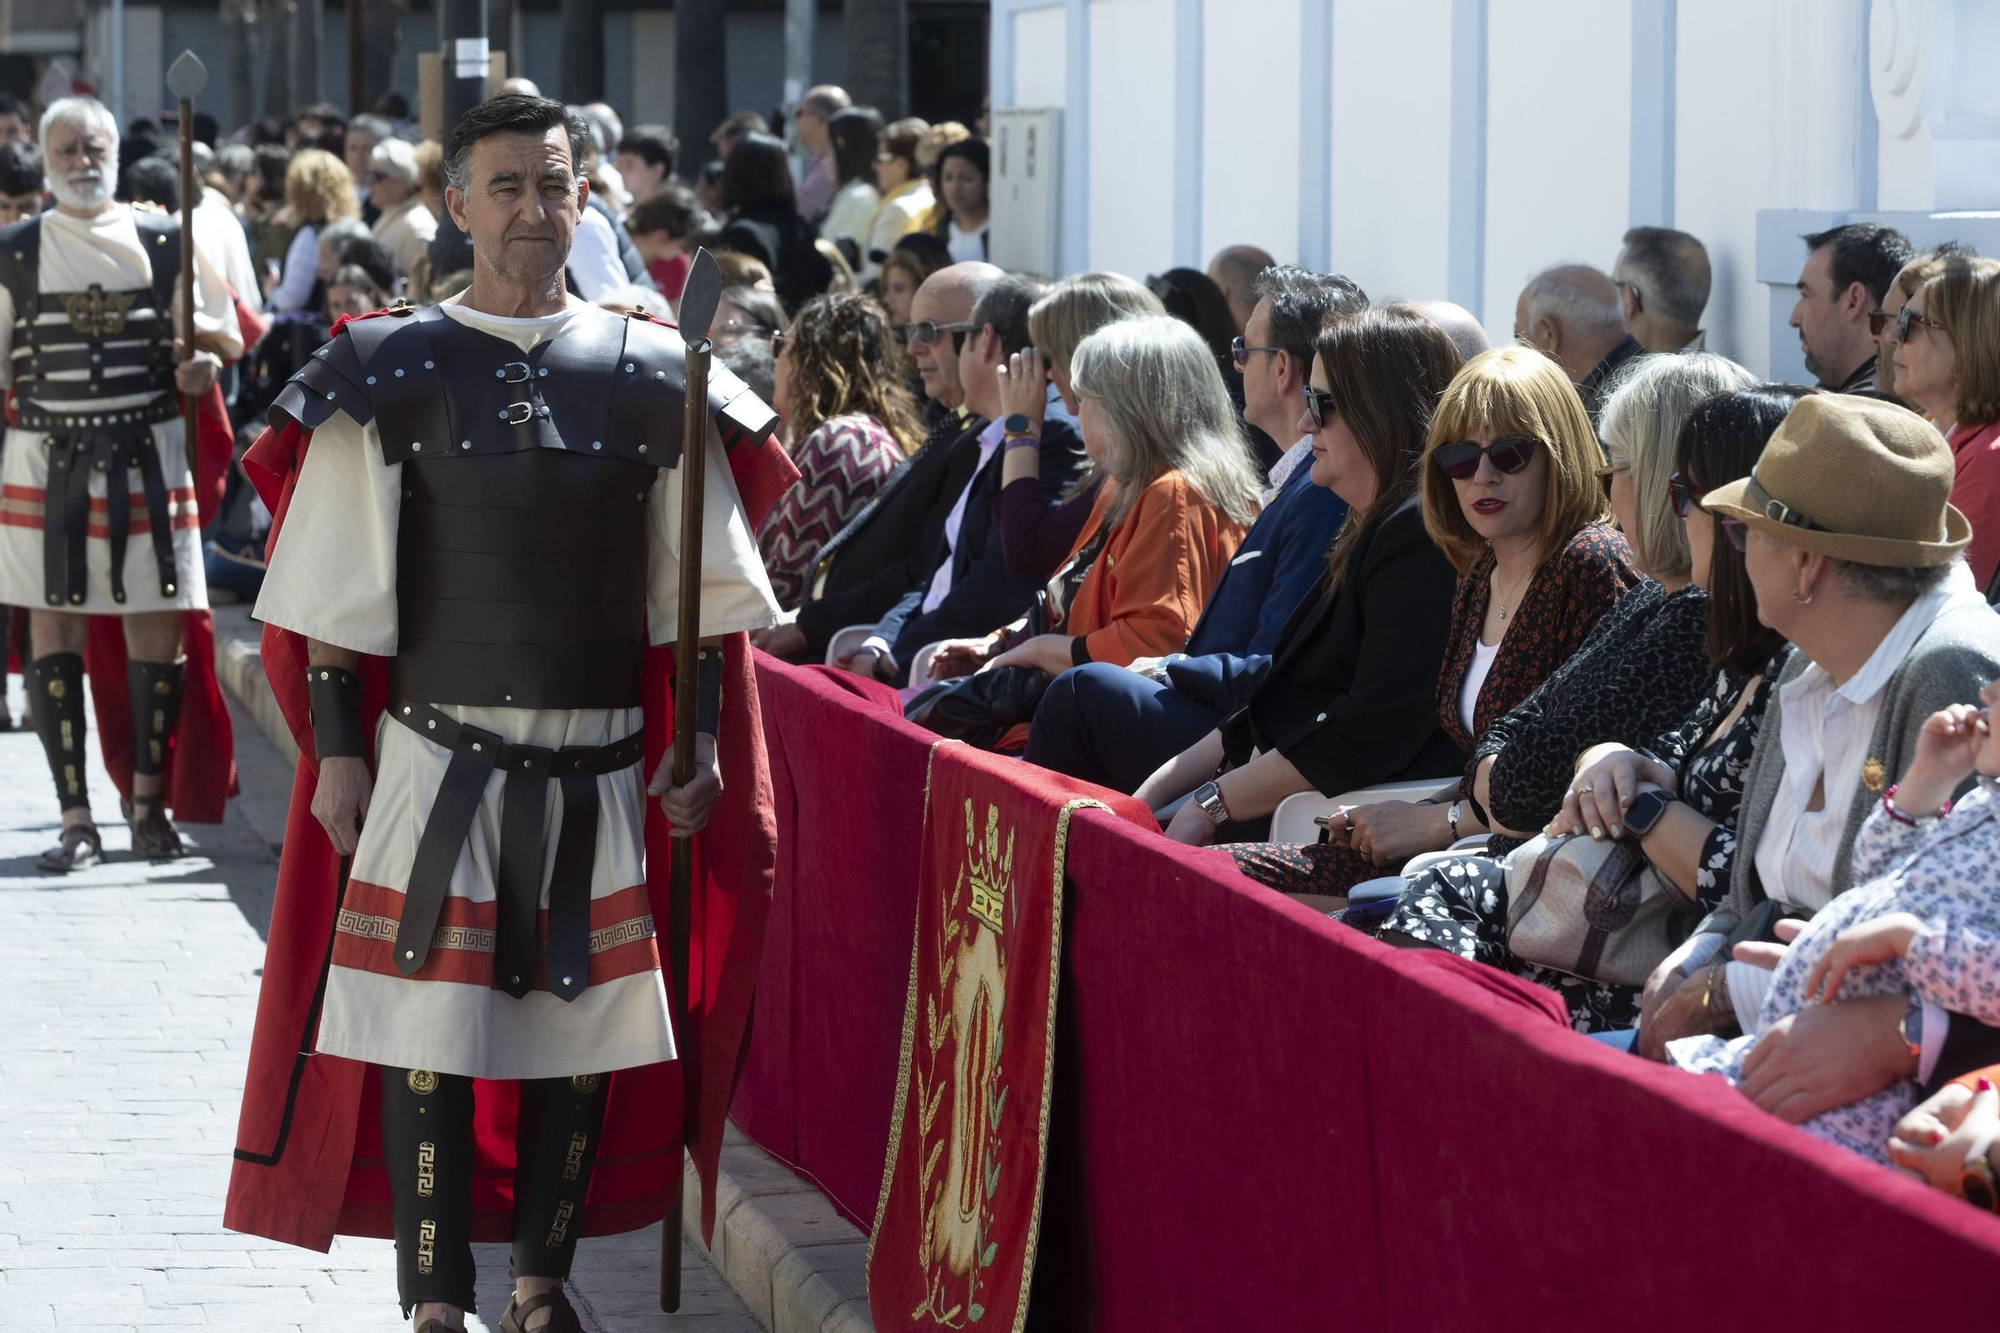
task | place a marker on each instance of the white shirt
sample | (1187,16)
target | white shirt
(301,271)
(965,246)
(407,230)
(1294,458)
(219,231)
(593,259)
(1826,733)
(1475,680)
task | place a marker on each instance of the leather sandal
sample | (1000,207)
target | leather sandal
(81,848)
(562,1315)
(154,837)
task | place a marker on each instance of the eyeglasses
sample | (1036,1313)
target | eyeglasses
(1508,455)
(1738,533)
(1906,317)
(1878,320)
(1240,354)
(1682,495)
(926,331)
(1320,403)
(778,343)
(1606,471)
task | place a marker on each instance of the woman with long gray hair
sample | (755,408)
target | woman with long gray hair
(1175,494)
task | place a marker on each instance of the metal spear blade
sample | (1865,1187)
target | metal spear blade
(700,297)
(187,76)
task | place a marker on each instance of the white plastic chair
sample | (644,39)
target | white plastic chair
(1293,819)
(846,642)
(920,665)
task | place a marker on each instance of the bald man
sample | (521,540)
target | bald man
(891,545)
(1235,270)
(1571,312)
(809,124)
(1465,332)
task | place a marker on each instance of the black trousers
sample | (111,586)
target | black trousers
(427,1150)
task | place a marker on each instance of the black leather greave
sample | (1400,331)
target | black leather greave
(427,1151)
(555,1152)
(56,684)
(156,707)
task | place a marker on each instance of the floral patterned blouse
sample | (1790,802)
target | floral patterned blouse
(1711,774)
(842,463)
(1939,870)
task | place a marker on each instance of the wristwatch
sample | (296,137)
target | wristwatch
(1017,424)
(1451,817)
(1208,799)
(1910,1027)
(1645,811)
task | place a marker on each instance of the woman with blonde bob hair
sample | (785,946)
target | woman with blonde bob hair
(318,190)
(1177,494)
(1035,536)
(1947,362)
(1511,494)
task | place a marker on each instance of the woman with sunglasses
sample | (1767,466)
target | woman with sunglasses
(905,195)
(1948,364)
(850,421)
(1461,905)
(1345,698)
(1512,497)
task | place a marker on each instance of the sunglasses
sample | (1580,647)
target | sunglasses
(1320,404)
(1508,455)
(1240,354)
(926,331)
(1906,317)
(1682,495)
(778,344)
(1738,533)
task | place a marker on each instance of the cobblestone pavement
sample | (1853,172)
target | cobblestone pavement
(126,995)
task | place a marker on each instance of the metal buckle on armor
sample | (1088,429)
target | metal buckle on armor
(507,373)
(526,413)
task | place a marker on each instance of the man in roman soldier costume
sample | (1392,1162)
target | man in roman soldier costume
(100,507)
(470,562)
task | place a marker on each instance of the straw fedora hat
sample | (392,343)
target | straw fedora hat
(1854,478)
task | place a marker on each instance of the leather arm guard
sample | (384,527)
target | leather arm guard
(708,690)
(336,712)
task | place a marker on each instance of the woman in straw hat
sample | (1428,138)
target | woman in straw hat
(1854,551)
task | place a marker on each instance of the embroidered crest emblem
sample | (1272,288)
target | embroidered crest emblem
(96,313)
(423,1082)
(1874,775)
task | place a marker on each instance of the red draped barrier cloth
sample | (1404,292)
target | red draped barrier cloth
(1263,1120)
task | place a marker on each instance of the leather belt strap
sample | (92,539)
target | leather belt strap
(114,451)
(475,756)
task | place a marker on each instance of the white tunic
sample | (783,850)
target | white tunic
(333,578)
(75,253)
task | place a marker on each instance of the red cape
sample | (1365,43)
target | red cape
(201,760)
(308,1156)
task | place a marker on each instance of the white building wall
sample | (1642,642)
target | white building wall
(1390,204)
(1456,146)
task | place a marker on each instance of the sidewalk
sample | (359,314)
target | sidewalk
(127,994)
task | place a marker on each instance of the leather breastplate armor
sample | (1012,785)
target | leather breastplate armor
(522,550)
(94,370)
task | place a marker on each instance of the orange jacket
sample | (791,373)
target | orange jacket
(1144,593)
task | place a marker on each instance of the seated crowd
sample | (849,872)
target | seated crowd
(1651,633)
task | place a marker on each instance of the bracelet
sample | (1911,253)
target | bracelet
(1020,442)
(1708,989)
(335,697)
(1889,807)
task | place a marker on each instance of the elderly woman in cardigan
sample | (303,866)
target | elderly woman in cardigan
(1853,549)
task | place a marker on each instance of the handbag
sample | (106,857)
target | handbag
(1594,909)
(980,709)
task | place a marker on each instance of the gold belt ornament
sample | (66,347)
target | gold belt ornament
(96,313)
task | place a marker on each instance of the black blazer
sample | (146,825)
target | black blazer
(785,242)
(984,595)
(882,552)
(1351,694)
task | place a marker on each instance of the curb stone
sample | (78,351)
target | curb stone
(796,1263)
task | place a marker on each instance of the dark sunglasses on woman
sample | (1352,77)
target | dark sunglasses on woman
(1508,454)
(1878,320)
(1682,495)
(1738,533)
(1320,405)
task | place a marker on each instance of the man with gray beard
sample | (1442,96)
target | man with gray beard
(99,512)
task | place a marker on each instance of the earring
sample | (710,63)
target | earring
(1802,601)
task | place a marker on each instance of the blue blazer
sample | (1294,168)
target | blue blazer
(1279,562)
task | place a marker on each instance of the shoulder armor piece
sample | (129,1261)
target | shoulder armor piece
(330,381)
